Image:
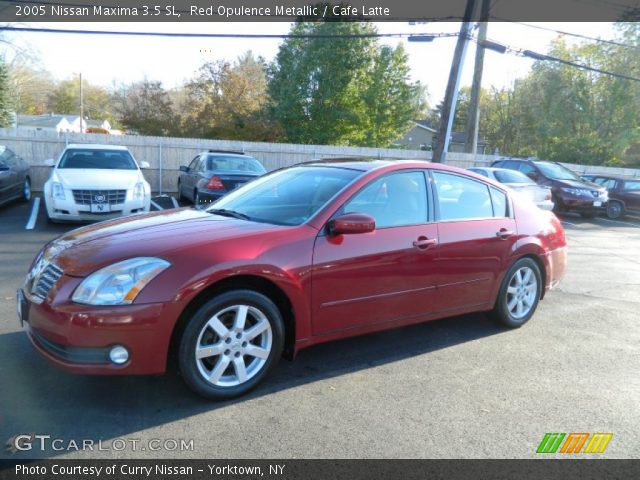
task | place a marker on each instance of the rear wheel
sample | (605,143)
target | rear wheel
(615,210)
(196,199)
(181,197)
(231,344)
(519,293)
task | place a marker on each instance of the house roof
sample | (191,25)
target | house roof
(456,137)
(41,121)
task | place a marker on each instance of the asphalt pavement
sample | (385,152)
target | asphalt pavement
(457,388)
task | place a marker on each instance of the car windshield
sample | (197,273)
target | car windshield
(287,197)
(557,171)
(235,164)
(97,159)
(511,176)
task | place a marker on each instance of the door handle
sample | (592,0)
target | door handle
(503,233)
(424,242)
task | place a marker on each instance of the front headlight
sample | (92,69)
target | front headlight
(138,191)
(120,283)
(57,191)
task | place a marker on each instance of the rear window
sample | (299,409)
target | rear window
(97,159)
(632,185)
(235,164)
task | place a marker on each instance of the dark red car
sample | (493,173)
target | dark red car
(624,193)
(303,255)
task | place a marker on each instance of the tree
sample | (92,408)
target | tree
(29,86)
(145,107)
(229,101)
(65,99)
(341,90)
(6,105)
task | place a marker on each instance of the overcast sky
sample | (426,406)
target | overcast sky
(105,59)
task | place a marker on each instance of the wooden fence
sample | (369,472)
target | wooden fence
(166,154)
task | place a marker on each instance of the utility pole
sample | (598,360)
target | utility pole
(451,94)
(81,106)
(473,121)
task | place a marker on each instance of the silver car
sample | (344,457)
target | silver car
(518,181)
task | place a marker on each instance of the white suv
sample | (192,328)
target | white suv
(95,182)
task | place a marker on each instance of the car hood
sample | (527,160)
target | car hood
(156,234)
(96,179)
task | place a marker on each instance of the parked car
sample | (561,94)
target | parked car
(624,193)
(300,256)
(538,194)
(15,182)
(214,173)
(95,182)
(570,193)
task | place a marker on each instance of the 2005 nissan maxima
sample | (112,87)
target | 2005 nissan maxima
(303,255)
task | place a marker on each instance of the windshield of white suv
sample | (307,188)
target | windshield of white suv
(557,172)
(97,158)
(285,197)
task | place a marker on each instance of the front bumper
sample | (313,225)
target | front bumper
(582,204)
(68,210)
(77,338)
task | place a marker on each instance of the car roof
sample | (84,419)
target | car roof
(97,146)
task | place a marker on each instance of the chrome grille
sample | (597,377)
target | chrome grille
(45,281)
(110,197)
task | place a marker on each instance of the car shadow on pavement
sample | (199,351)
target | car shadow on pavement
(37,398)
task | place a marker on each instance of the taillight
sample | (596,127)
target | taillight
(548,195)
(215,183)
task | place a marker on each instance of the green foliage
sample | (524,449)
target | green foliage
(342,91)
(563,113)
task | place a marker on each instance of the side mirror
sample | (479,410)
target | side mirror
(144,164)
(350,223)
(184,168)
(3,167)
(49,162)
(533,176)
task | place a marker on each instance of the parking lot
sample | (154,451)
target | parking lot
(461,387)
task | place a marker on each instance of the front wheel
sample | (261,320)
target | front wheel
(519,294)
(231,344)
(26,190)
(615,210)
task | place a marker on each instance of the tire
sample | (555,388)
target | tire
(615,210)
(231,361)
(26,190)
(519,293)
(196,199)
(181,197)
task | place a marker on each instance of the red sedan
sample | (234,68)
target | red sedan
(303,255)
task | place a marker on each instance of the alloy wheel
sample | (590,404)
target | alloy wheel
(521,292)
(233,346)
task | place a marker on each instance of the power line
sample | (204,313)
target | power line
(502,48)
(221,35)
(571,34)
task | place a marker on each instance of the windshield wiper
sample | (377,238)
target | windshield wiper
(229,213)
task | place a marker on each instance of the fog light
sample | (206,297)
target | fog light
(118,355)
